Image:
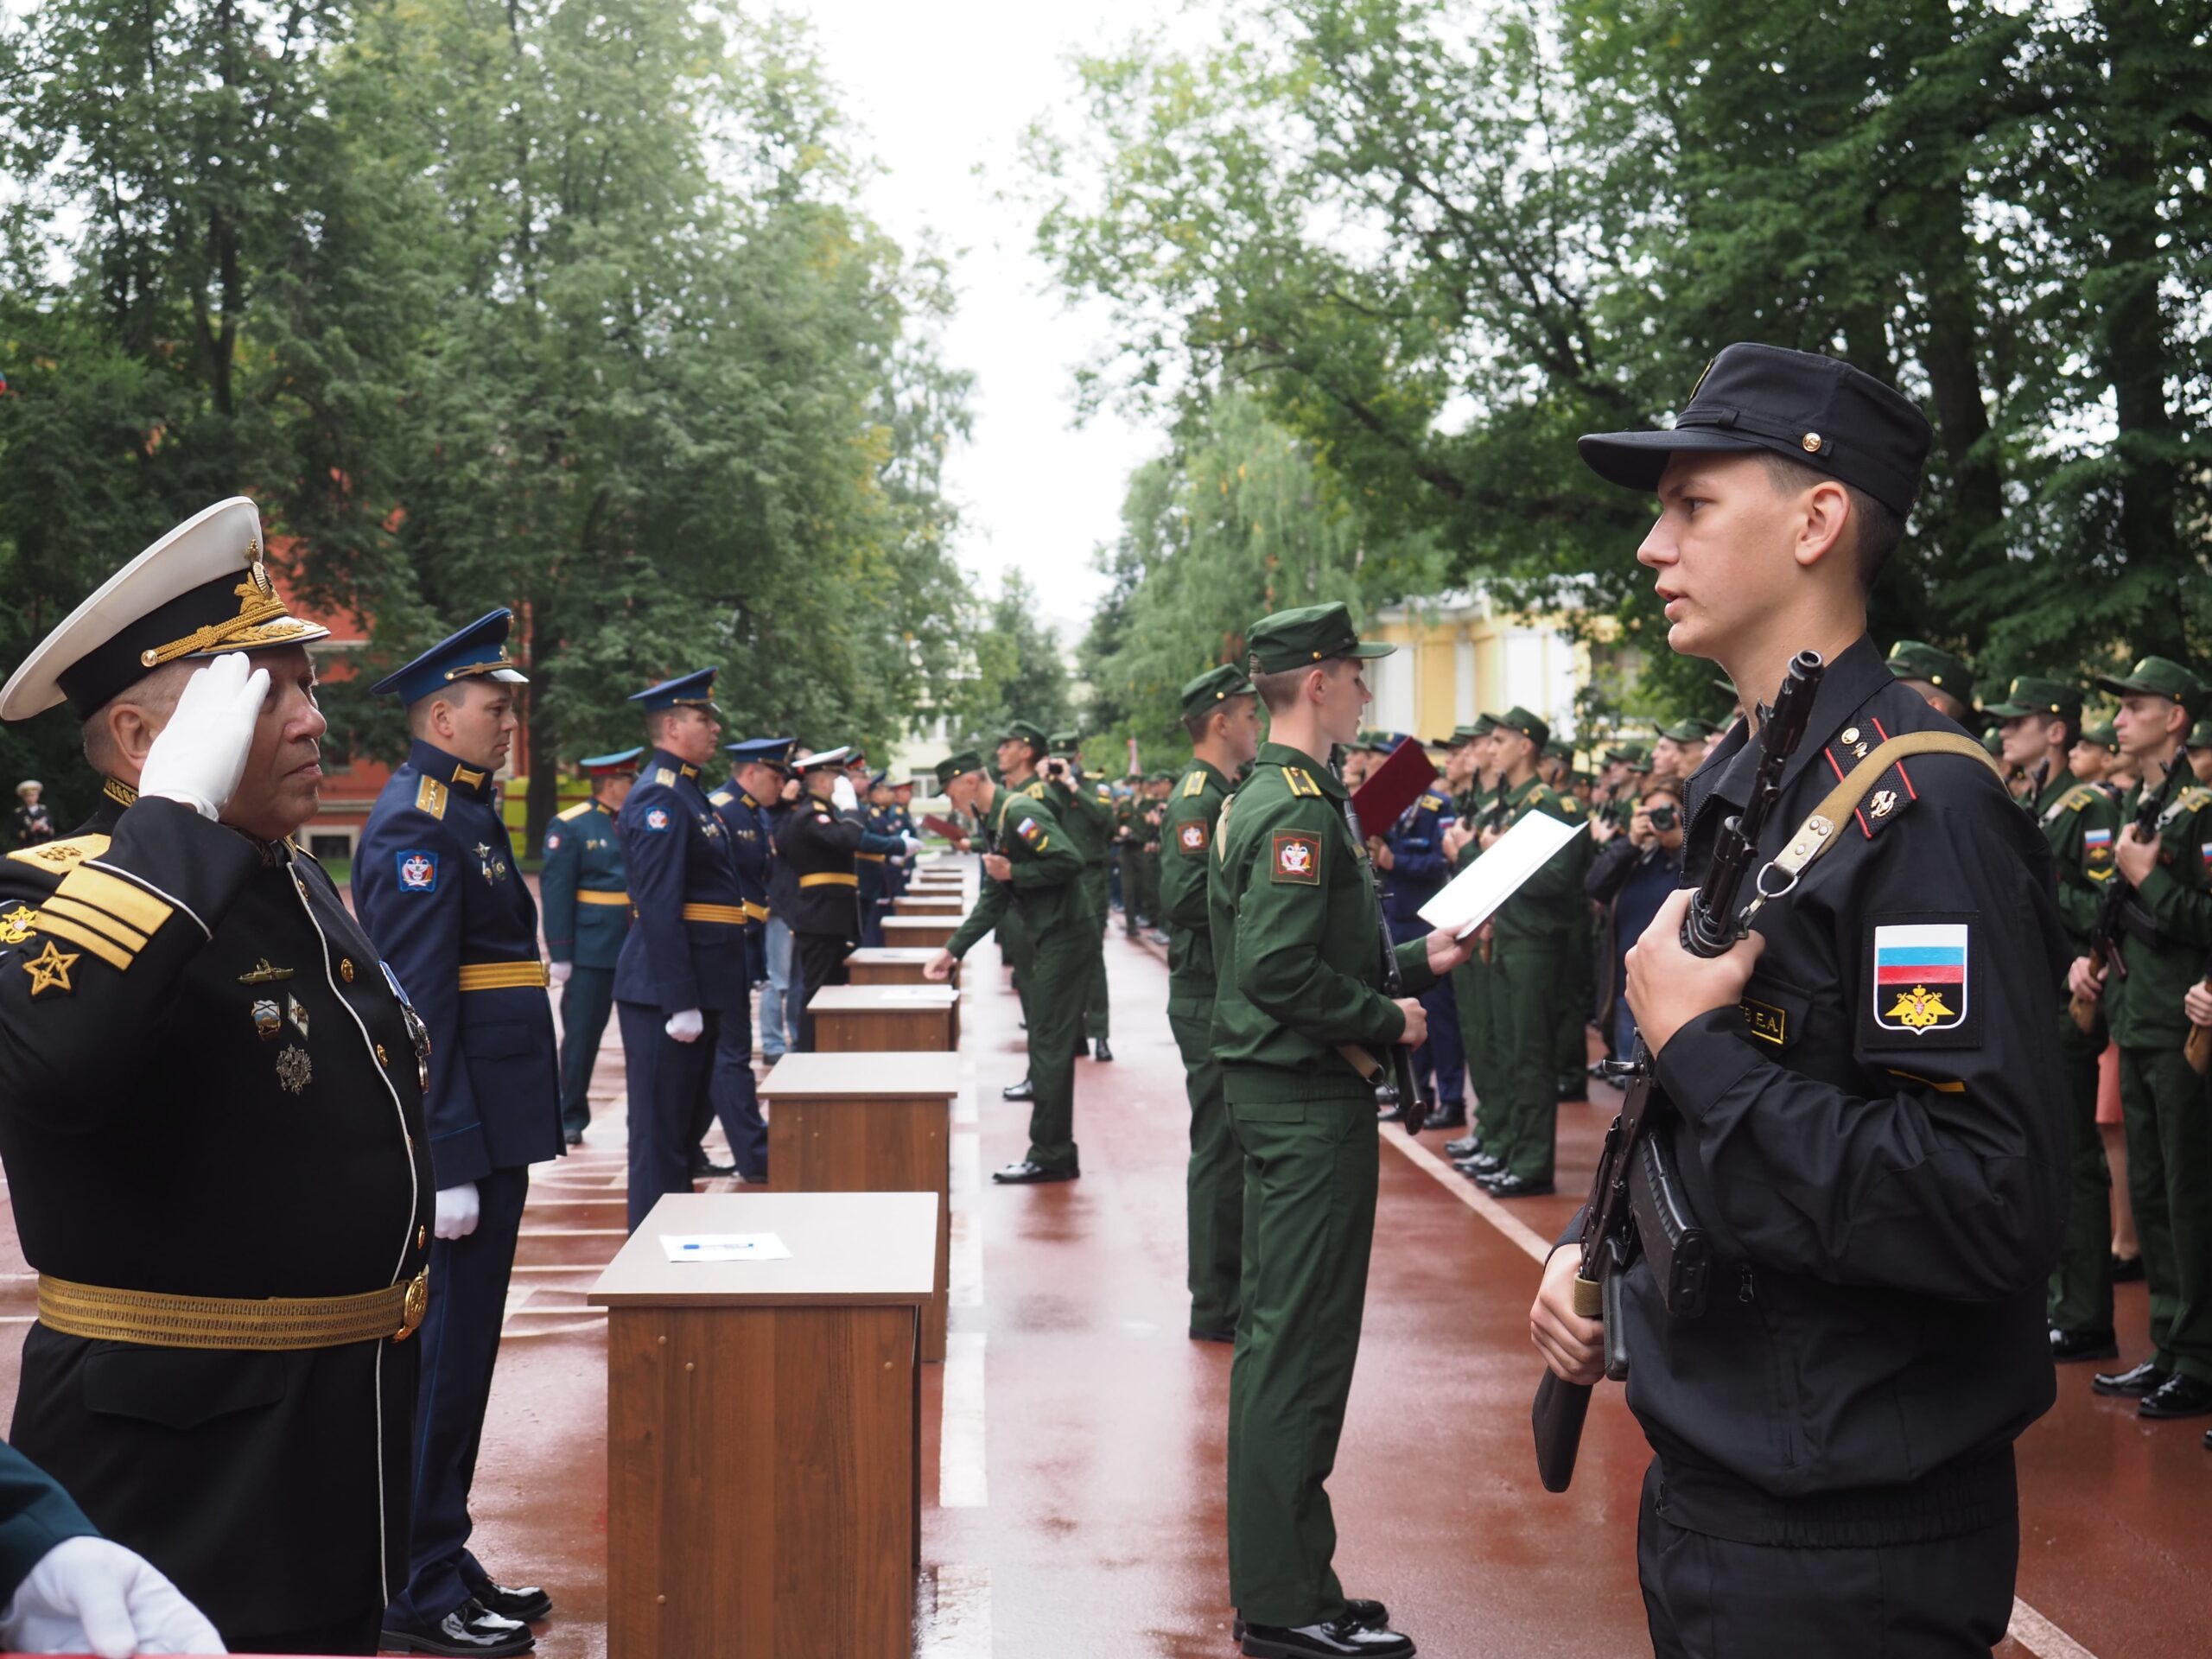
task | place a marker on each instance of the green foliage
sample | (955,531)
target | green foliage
(1019,673)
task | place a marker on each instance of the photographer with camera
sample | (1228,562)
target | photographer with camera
(1635,870)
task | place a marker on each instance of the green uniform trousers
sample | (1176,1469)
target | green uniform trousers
(1309,1226)
(1215,1183)
(586,1002)
(1577,998)
(2166,1111)
(2080,1285)
(1054,1007)
(1017,952)
(1472,986)
(1095,1006)
(1526,976)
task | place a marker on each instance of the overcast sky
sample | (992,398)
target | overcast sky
(942,92)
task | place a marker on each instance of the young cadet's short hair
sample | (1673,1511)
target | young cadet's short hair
(1879,529)
(1279,689)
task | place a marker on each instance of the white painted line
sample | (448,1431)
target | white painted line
(518,1298)
(960,1482)
(2029,1628)
(958,1623)
(964,1271)
(964,1103)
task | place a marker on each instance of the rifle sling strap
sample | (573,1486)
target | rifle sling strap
(1818,832)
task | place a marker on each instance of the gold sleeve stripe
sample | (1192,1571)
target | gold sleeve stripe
(108,952)
(118,898)
(122,933)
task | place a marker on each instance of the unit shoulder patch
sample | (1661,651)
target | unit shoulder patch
(1295,857)
(1923,974)
(59,855)
(1032,833)
(1191,834)
(1301,783)
(430,797)
(576,812)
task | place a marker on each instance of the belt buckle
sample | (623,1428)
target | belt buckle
(417,1304)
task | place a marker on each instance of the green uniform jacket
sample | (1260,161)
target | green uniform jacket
(1295,921)
(1550,903)
(1045,889)
(2081,824)
(2175,900)
(1087,813)
(584,854)
(1186,862)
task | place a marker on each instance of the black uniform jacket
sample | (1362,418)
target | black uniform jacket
(686,948)
(437,888)
(208,1087)
(819,844)
(1877,1139)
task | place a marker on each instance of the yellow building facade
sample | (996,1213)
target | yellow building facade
(1459,655)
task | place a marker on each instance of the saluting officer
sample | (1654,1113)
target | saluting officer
(762,765)
(1861,1102)
(1300,1022)
(197,1031)
(683,966)
(1033,871)
(436,884)
(1222,714)
(1410,859)
(586,903)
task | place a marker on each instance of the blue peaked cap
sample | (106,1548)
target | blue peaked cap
(477,651)
(766,752)
(696,690)
(618,761)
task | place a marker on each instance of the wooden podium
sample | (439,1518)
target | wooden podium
(892,965)
(869,1123)
(885,1018)
(926,903)
(763,1430)
(909,931)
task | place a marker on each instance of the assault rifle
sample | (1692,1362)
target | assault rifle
(2105,954)
(1414,1104)
(1635,1201)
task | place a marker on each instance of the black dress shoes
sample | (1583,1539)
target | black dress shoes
(523,1602)
(1451,1116)
(469,1628)
(1480,1165)
(1099,1050)
(1465,1146)
(1372,1614)
(2177,1396)
(1026,1173)
(2082,1345)
(574,1137)
(1506,1185)
(704,1168)
(2127,1269)
(2131,1384)
(1021,1091)
(1343,1635)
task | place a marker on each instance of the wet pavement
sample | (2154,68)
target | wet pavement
(1072,1461)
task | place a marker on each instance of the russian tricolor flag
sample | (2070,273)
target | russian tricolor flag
(1927,956)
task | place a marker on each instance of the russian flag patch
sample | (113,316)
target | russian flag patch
(1920,976)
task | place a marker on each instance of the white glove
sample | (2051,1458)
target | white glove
(200,754)
(685,1027)
(560,971)
(840,794)
(457,1211)
(90,1594)
(913,844)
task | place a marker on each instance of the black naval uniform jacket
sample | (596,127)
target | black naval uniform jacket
(819,845)
(437,889)
(1877,1139)
(686,948)
(208,1088)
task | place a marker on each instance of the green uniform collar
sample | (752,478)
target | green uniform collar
(2061,783)
(1282,754)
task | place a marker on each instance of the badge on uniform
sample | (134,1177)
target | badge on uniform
(18,924)
(2096,847)
(1297,858)
(656,817)
(418,871)
(1920,978)
(552,840)
(1031,831)
(294,1069)
(49,969)
(1192,835)
(491,868)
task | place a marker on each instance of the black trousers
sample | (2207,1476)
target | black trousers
(1709,1598)
(357,1635)
(821,962)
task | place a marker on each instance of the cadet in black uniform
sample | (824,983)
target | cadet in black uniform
(435,885)
(211,1113)
(1867,1116)
(821,840)
(586,894)
(762,763)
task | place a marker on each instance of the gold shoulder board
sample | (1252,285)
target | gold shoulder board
(1301,782)
(431,798)
(60,854)
(576,812)
(662,775)
(1194,785)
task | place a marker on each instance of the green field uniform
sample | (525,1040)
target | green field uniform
(2165,1107)
(2080,822)
(1044,899)
(1214,1184)
(1533,934)
(1472,987)
(1295,923)
(1578,964)
(1087,812)
(1126,838)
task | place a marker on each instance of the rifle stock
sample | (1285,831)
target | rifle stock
(2105,954)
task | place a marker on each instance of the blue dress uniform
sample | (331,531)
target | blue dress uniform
(874,869)
(587,902)
(821,845)
(436,882)
(1417,873)
(686,950)
(731,1089)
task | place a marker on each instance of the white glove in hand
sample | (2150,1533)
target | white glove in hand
(457,1211)
(560,971)
(92,1595)
(841,793)
(913,844)
(200,754)
(685,1027)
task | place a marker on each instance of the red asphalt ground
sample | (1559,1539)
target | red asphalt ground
(1074,1504)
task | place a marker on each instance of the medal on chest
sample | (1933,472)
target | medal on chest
(492,866)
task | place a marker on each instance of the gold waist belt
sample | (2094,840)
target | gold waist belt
(872,858)
(158,1320)
(600,896)
(830,879)
(758,912)
(502,976)
(734,914)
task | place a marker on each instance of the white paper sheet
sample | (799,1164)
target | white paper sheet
(1471,897)
(725,1247)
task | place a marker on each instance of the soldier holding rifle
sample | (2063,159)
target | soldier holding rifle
(1859,1095)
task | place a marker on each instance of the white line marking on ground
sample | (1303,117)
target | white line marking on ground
(957,1625)
(2029,1628)
(964,1271)
(517,1298)
(960,1482)
(964,1103)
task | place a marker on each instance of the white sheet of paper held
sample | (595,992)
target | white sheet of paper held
(1470,897)
(725,1247)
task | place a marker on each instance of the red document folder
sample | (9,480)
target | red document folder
(1392,787)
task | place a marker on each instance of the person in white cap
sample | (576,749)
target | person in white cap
(211,1116)
(34,818)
